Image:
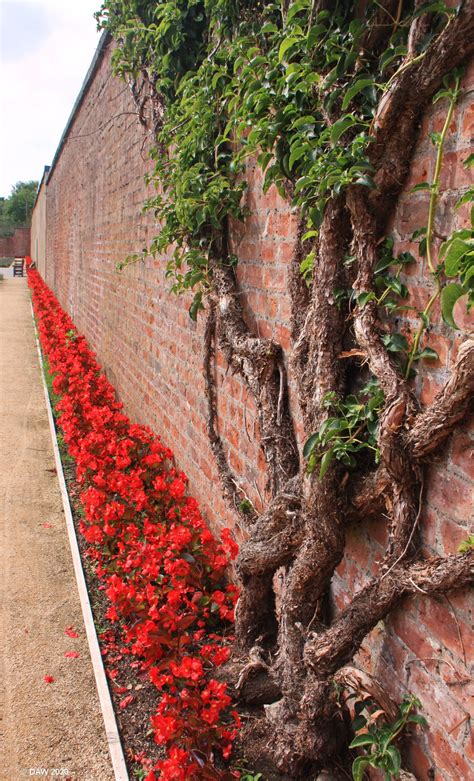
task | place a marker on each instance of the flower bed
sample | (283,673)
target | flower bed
(160,566)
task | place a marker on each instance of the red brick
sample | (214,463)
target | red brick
(435,699)
(438,620)
(448,759)
(453,173)
(462,453)
(429,390)
(418,761)
(468,122)
(452,495)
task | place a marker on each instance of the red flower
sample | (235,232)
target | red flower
(158,564)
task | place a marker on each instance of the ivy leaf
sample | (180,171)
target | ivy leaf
(341,126)
(286,44)
(296,154)
(449,296)
(466,546)
(364,298)
(395,343)
(325,462)
(395,760)
(359,85)
(429,353)
(430,7)
(421,186)
(415,718)
(455,252)
(362,740)
(196,306)
(366,181)
(295,8)
(306,265)
(358,768)
(310,445)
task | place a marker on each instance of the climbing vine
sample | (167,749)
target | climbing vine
(327,98)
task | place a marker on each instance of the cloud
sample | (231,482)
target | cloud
(50,46)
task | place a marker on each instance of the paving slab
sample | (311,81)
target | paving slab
(55,727)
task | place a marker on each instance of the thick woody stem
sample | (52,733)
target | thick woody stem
(399,407)
(260,363)
(230,485)
(427,432)
(327,652)
(272,543)
(321,551)
(398,116)
(432,426)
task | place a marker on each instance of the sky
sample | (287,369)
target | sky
(46,47)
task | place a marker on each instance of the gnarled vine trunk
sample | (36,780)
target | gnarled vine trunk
(303,528)
(294,641)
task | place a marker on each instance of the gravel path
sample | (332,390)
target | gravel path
(54,726)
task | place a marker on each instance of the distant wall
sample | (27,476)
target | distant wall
(152,353)
(38,231)
(17,245)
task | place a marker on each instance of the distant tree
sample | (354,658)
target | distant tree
(16,210)
(19,205)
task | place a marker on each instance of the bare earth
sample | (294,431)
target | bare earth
(58,726)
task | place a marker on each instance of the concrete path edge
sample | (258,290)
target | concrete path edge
(108,714)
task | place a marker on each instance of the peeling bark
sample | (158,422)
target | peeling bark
(295,646)
(260,363)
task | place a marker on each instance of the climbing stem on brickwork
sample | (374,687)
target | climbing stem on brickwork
(327,104)
(452,96)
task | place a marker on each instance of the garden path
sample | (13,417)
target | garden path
(51,726)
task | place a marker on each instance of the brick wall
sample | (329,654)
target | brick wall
(152,353)
(17,245)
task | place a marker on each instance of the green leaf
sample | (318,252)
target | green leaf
(449,296)
(467,545)
(310,444)
(325,462)
(357,87)
(362,740)
(395,343)
(429,353)
(455,252)
(469,161)
(364,298)
(395,759)
(295,8)
(340,127)
(358,767)
(306,265)
(285,45)
(296,154)
(196,306)
(415,718)
(366,181)
(421,186)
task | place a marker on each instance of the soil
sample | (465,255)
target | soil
(54,726)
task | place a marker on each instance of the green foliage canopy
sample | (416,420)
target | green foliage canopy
(16,210)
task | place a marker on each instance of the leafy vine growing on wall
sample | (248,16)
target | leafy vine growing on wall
(328,98)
